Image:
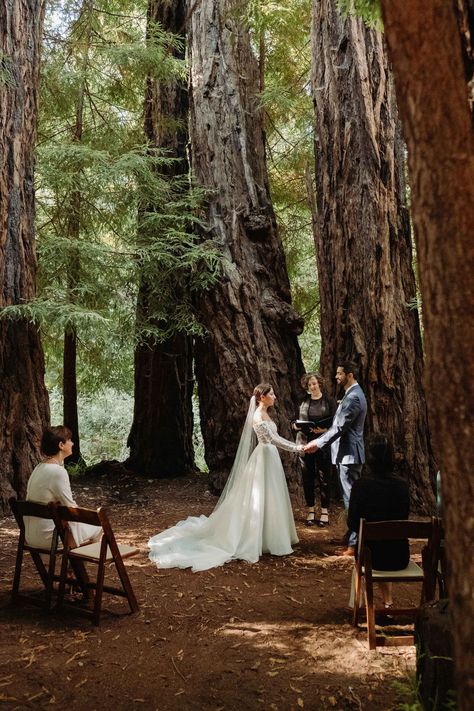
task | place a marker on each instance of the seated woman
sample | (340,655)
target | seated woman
(381,497)
(49,481)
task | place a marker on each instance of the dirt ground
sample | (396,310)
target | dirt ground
(276,635)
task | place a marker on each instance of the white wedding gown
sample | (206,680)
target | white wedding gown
(253,515)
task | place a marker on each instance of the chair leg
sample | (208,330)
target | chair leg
(40,567)
(51,569)
(127,586)
(62,580)
(18,564)
(369,596)
(99,591)
(356,582)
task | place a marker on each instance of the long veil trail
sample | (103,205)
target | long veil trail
(238,527)
(244,450)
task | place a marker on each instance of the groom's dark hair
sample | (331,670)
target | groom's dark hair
(349,366)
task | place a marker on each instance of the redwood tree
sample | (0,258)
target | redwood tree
(24,408)
(427,58)
(251,326)
(73,230)
(160,440)
(362,237)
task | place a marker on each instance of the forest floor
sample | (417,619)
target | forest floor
(276,635)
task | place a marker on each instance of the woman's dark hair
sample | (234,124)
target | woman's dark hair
(51,438)
(260,390)
(316,374)
(380,457)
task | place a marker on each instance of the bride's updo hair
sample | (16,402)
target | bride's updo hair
(261,390)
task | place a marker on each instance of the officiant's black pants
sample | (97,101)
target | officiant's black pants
(316,467)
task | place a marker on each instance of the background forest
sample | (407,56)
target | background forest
(91,149)
(221,199)
(198,196)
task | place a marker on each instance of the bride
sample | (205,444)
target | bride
(253,515)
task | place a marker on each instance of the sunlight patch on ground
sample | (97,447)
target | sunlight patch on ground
(336,647)
(10,532)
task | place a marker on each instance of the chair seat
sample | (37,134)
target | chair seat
(92,551)
(412,570)
(40,549)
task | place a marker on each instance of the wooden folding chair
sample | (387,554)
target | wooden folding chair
(107,550)
(413,573)
(48,575)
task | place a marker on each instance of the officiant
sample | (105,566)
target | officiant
(315,417)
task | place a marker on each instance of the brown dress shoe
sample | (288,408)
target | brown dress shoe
(349,551)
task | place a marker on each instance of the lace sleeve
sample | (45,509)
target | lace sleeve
(267,434)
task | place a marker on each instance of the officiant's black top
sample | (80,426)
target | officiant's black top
(381,499)
(320,409)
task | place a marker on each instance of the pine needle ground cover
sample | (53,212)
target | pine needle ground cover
(275,635)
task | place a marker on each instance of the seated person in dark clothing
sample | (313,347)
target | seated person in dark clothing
(381,496)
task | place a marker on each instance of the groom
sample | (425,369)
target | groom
(346,437)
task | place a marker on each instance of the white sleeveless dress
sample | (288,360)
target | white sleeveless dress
(254,517)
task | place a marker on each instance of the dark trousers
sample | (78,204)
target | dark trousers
(316,467)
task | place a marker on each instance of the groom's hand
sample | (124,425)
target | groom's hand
(310,447)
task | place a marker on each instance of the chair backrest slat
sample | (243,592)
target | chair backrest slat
(79,515)
(387,530)
(32,508)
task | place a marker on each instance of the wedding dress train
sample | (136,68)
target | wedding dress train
(253,515)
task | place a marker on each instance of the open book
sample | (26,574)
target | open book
(306,425)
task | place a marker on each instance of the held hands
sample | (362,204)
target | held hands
(310,447)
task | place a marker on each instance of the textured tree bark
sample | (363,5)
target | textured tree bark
(161,438)
(251,326)
(425,51)
(465,18)
(70,414)
(73,231)
(24,408)
(362,238)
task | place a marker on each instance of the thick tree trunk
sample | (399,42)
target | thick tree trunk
(252,328)
(70,411)
(161,438)
(465,17)
(24,408)
(73,231)
(425,51)
(363,238)
(70,414)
